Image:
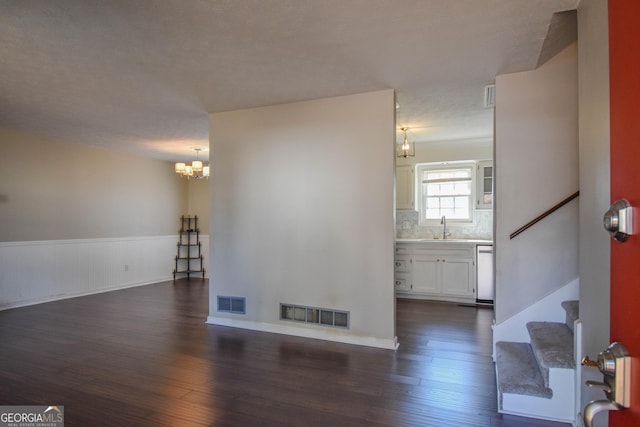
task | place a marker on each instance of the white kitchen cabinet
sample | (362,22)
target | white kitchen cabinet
(404,187)
(484,185)
(403,282)
(436,270)
(457,277)
(425,274)
(402,268)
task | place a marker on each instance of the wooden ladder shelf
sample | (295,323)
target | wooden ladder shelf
(189,259)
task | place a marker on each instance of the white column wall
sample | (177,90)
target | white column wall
(593,63)
(302,199)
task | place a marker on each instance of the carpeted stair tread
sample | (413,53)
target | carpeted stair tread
(518,371)
(572,309)
(552,345)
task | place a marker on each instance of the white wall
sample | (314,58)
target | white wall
(593,61)
(198,203)
(77,219)
(443,151)
(302,212)
(74,191)
(536,166)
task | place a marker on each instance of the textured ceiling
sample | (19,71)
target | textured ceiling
(142,76)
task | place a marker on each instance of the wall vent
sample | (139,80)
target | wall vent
(490,96)
(315,315)
(235,305)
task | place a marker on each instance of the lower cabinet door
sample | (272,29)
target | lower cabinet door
(457,277)
(402,282)
(425,275)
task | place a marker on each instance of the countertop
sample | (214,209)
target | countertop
(455,241)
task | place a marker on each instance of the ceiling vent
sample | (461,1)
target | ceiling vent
(490,96)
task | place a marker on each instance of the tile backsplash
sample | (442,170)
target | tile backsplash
(481,228)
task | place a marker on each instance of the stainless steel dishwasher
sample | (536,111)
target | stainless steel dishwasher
(484,274)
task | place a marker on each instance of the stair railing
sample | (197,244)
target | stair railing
(544,215)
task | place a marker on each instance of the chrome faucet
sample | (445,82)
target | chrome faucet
(443,221)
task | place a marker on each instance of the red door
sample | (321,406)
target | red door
(624,78)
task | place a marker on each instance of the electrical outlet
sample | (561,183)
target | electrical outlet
(126,267)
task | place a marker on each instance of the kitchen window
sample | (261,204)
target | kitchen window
(445,189)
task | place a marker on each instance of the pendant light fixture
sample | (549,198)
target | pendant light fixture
(195,170)
(405,149)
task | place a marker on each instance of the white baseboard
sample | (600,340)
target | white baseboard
(322,334)
(454,299)
(536,407)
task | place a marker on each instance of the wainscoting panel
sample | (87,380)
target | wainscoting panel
(40,271)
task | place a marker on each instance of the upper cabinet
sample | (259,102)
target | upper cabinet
(484,181)
(404,187)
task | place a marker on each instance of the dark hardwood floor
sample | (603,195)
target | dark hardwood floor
(144,357)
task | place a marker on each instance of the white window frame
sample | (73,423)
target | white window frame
(420,196)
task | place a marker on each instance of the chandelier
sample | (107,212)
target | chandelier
(195,170)
(405,149)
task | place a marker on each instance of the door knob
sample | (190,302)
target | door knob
(615,363)
(594,408)
(618,220)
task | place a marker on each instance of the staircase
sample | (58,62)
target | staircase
(537,378)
